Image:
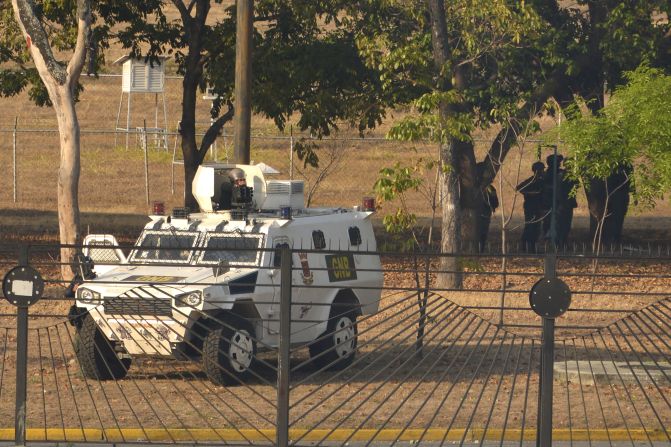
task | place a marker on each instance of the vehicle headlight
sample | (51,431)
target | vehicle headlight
(88,296)
(191,299)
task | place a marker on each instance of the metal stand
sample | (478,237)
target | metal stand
(284,367)
(160,133)
(22,286)
(21,375)
(550,298)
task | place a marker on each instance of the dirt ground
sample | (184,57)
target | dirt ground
(470,373)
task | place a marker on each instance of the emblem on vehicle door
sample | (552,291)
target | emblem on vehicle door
(308,276)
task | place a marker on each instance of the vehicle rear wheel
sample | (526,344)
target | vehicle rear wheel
(96,354)
(335,349)
(229,352)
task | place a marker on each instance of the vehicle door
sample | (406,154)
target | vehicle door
(301,276)
(104,250)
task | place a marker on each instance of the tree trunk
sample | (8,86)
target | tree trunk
(450,243)
(608,203)
(471,200)
(449,154)
(188,131)
(68,175)
(190,168)
(61,82)
(194,29)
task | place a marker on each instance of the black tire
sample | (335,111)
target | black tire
(335,349)
(96,354)
(229,351)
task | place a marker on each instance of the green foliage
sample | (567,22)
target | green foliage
(484,78)
(394,184)
(110,21)
(306,150)
(396,181)
(306,63)
(633,129)
(487,37)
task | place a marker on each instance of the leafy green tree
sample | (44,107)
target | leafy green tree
(460,66)
(633,129)
(43,48)
(596,43)
(467,65)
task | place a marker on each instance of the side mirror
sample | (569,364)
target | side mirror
(82,266)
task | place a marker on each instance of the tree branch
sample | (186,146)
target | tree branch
(202,10)
(183,12)
(213,131)
(508,135)
(76,63)
(40,49)
(192,3)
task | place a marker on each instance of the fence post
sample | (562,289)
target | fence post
(16,123)
(550,298)
(21,363)
(22,286)
(284,368)
(291,152)
(544,435)
(146,160)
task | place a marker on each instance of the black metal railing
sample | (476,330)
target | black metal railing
(558,346)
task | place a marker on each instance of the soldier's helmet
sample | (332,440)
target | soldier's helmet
(551,160)
(236,174)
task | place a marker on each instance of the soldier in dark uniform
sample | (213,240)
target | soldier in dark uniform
(565,203)
(489,203)
(532,190)
(546,196)
(236,179)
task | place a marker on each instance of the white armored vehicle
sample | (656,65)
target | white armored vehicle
(206,286)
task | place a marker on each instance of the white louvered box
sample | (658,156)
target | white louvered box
(281,193)
(140,76)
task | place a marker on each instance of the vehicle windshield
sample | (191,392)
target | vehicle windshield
(233,248)
(164,246)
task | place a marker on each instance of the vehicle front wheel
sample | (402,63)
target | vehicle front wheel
(229,352)
(96,354)
(335,348)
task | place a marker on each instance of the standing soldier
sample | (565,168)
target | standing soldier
(550,209)
(489,203)
(532,190)
(562,209)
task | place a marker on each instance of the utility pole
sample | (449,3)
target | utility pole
(243,80)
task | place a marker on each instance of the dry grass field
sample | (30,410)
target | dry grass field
(112,185)
(112,178)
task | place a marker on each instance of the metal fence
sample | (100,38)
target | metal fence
(549,347)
